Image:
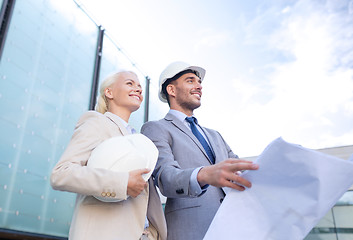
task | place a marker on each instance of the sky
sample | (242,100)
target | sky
(276,68)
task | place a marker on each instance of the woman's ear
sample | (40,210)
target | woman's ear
(108,93)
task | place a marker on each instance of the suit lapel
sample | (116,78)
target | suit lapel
(181,126)
(212,143)
(117,122)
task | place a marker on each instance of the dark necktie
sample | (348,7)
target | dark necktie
(198,135)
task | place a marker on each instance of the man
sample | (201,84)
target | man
(191,169)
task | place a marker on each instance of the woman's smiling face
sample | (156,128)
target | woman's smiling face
(125,92)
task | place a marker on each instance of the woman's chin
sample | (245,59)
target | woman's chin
(134,108)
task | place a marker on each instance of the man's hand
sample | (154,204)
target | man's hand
(136,183)
(225,174)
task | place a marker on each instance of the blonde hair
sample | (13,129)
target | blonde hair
(102,102)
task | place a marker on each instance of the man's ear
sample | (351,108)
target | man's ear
(171,90)
(108,93)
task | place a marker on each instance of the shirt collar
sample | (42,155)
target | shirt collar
(179,115)
(114,116)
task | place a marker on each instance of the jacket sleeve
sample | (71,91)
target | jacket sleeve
(172,181)
(71,173)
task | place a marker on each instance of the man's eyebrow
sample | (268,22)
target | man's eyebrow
(192,77)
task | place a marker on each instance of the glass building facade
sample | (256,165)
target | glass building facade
(53,55)
(338,222)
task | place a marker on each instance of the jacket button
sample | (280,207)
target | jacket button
(180,191)
(103,194)
(221,200)
(108,194)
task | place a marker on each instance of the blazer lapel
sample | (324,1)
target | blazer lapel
(117,122)
(212,143)
(181,126)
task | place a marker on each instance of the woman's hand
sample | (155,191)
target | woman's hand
(136,183)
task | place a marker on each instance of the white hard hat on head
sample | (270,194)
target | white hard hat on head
(173,69)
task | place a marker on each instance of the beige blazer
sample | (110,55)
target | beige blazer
(94,219)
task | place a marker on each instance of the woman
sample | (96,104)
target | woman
(120,95)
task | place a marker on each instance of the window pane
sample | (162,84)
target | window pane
(45,81)
(343,216)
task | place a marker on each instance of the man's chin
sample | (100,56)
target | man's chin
(196,105)
(191,105)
